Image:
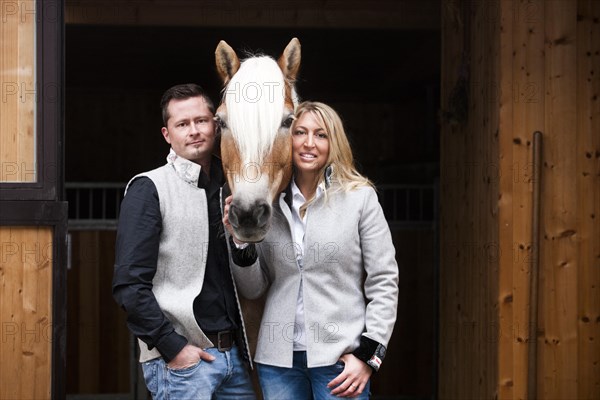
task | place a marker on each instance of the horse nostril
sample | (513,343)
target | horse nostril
(262,212)
(233,216)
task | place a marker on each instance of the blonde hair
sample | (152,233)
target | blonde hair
(340,153)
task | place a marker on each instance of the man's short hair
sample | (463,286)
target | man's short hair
(183,92)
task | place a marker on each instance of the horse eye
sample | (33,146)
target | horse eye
(220,123)
(288,122)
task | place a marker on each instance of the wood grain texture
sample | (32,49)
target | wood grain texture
(548,65)
(588,199)
(18,92)
(506,292)
(395,14)
(96,322)
(25,312)
(557,370)
(469,209)
(524,83)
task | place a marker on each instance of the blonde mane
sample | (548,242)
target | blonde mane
(255,105)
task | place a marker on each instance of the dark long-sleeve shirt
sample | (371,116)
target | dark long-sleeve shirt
(138,238)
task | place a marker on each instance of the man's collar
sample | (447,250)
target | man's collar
(187,170)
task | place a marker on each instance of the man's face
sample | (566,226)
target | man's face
(190,129)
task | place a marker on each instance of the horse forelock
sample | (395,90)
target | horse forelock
(255,98)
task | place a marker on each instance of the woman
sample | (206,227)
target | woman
(329,266)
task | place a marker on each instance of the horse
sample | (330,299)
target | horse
(254,120)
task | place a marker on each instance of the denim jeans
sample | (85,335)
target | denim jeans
(301,382)
(224,378)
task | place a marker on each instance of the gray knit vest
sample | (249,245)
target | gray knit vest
(182,254)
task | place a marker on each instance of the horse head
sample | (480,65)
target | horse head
(254,119)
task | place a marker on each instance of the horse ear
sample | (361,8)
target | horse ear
(227,61)
(289,62)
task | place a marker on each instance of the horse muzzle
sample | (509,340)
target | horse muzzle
(250,223)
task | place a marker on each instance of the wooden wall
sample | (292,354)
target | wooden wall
(25,312)
(533,66)
(408,369)
(382,14)
(18,93)
(26,253)
(99,350)
(468,362)
(584,256)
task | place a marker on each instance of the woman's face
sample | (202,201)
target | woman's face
(310,144)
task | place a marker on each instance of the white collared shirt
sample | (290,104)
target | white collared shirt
(298,232)
(188,170)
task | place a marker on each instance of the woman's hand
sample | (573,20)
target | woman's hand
(226,220)
(352,380)
(226,215)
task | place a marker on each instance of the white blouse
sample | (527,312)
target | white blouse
(298,231)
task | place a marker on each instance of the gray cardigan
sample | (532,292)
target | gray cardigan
(350,279)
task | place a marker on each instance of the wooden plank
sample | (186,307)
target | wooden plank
(89,322)
(73,304)
(491,188)
(385,14)
(96,322)
(114,367)
(451,173)
(29,94)
(469,189)
(408,365)
(588,199)
(26,312)
(8,103)
(485,71)
(17,104)
(526,89)
(558,369)
(506,376)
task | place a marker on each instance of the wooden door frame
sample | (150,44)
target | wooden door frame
(41,203)
(53,214)
(49,98)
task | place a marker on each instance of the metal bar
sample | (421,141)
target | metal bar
(104,203)
(117,203)
(400,216)
(77,200)
(94,185)
(90,204)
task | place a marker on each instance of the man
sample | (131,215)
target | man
(172,273)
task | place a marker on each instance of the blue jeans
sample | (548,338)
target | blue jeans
(224,378)
(300,382)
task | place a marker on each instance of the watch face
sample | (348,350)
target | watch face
(379,355)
